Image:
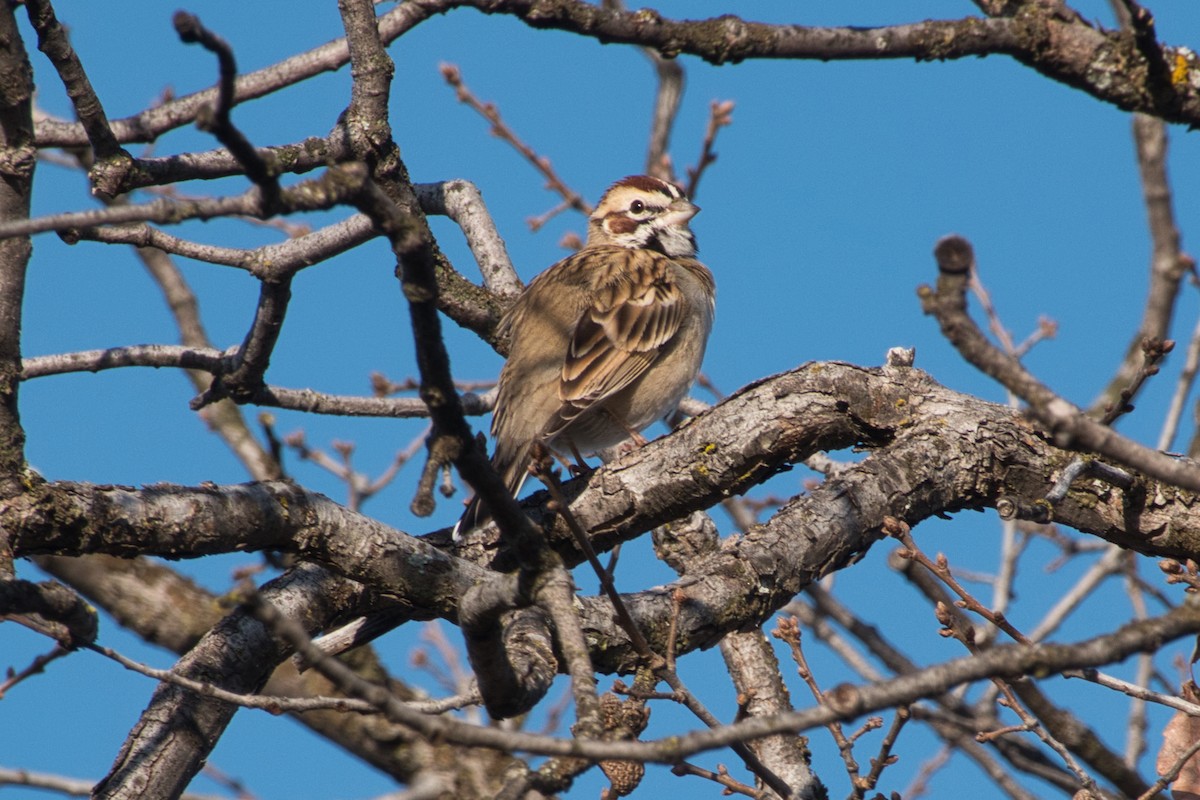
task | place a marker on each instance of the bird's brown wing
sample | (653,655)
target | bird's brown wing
(636,310)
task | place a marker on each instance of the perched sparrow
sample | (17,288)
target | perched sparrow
(607,340)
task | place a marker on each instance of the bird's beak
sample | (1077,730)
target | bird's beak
(683,210)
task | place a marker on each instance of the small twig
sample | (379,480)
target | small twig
(667,95)
(788,631)
(359,487)
(870,724)
(70,786)
(542,469)
(997,327)
(1070,427)
(191,31)
(720,114)
(1168,777)
(403,457)
(1136,691)
(721,776)
(1081,467)
(382,386)
(1012,546)
(488,111)
(1153,352)
(275,704)
(614,556)
(677,598)
(1168,263)
(941,568)
(537,223)
(1136,727)
(1046,329)
(884,758)
(1183,387)
(231,783)
(1186,572)
(815,620)
(37,666)
(1001,732)
(919,786)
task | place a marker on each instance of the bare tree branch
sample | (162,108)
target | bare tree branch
(49,608)
(16,156)
(217,117)
(148,125)
(1168,263)
(1059,44)
(794,412)
(111,162)
(1070,427)
(176,733)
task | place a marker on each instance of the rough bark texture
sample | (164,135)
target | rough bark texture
(934,451)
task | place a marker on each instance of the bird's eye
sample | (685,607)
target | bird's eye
(637,207)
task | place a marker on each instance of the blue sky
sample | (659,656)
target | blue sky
(819,218)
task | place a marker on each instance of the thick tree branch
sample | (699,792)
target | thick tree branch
(176,733)
(16,168)
(157,604)
(50,608)
(462,202)
(110,162)
(942,457)
(1061,45)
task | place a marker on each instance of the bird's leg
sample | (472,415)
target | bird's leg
(580,467)
(636,436)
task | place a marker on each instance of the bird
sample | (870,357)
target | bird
(606,341)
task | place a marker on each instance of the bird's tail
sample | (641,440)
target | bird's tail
(514,469)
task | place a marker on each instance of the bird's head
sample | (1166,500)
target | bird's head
(644,212)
